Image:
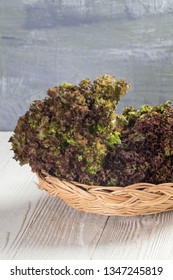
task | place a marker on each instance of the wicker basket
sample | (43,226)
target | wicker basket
(133,200)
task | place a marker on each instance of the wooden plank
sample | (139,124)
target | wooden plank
(130,238)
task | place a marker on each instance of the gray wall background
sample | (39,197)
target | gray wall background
(46,42)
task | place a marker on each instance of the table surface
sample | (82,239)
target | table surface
(34,225)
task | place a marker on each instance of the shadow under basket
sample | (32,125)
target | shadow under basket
(132,200)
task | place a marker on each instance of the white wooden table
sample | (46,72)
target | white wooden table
(34,225)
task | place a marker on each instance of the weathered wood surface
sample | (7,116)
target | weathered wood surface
(44,43)
(34,225)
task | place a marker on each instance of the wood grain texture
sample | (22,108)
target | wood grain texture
(45,43)
(34,225)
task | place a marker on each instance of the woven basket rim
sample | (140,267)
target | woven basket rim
(132,200)
(46,174)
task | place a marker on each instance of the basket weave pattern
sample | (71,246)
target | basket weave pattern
(133,200)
